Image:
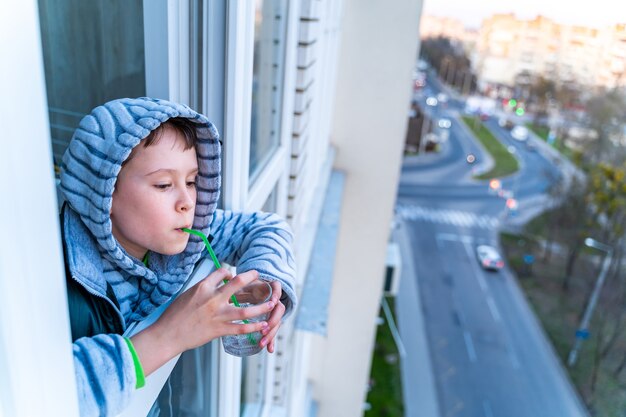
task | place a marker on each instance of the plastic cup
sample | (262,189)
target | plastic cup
(253,294)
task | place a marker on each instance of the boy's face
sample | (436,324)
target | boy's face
(155,196)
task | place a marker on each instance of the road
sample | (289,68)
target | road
(488,354)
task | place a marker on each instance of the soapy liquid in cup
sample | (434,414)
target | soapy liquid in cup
(233,344)
(253,294)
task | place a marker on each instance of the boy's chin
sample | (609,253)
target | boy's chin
(172,250)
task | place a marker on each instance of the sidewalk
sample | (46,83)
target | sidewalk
(418,382)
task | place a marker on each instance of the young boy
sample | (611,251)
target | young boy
(136,172)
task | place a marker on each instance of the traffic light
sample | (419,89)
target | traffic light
(512,103)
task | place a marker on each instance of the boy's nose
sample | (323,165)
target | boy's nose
(186,201)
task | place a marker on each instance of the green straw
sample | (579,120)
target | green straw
(218,266)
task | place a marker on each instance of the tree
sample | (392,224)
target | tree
(607,198)
(606,112)
(574,223)
(542,90)
(450,62)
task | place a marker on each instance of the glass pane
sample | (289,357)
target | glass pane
(267,81)
(253,384)
(93,52)
(271,202)
(187,392)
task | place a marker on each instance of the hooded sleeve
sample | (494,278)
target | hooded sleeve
(259,241)
(105,374)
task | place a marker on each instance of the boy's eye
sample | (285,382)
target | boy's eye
(162,186)
(191,183)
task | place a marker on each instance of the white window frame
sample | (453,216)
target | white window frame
(33,303)
(238,194)
(167,68)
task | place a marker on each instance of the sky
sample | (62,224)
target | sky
(594,13)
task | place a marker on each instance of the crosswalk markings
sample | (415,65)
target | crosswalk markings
(453,217)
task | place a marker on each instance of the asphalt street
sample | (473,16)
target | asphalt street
(486,353)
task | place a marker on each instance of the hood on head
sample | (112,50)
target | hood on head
(102,142)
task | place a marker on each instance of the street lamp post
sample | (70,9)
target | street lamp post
(583,330)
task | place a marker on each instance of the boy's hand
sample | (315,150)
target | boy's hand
(269,333)
(200,315)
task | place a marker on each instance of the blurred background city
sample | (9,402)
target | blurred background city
(512,201)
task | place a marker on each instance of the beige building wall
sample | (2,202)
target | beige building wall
(446,27)
(378,49)
(507,46)
(612,68)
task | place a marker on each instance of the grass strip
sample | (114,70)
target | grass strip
(385,384)
(504,163)
(559,144)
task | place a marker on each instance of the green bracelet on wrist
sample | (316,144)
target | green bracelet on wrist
(141,379)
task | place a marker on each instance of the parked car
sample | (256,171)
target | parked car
(519,133)
(444,123)
(506,123)
(489,258)
(431,101)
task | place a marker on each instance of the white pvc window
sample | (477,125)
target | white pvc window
(248,186)
(244,188)
(36,368)
(268,66)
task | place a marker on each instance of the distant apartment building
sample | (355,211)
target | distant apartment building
(611,70)
(508,46)
(446,27)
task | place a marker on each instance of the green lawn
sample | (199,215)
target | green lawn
(385,395)
(541,131)
(504,163)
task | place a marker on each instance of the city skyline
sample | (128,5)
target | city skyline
(604,13)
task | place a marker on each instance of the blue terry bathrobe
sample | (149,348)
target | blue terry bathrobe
(95,261)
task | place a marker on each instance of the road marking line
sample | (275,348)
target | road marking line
(469,218)
(482,222)
(477,272)
(456,409)
(469,345)
(487,408)
(467,239)
(461,317)
(494,309)
(448,218)
(454,217)
(512,355)
(454,237)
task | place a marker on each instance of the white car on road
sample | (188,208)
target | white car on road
(444,123)
(519,133)
(489,257)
